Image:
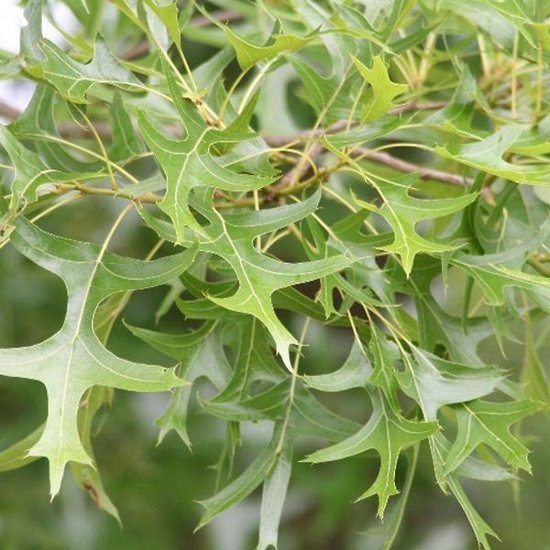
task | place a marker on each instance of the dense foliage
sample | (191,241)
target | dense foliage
(370,177)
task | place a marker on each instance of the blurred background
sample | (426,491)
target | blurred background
(156,488)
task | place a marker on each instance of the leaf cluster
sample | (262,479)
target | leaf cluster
(377,170)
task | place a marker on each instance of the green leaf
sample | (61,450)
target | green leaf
(383,90)
(87,476)
(167,13)
(30,172)
(17,455)
(73,359)
(433,382)
(479,526)
(273,497)
(494,278)
(403,212)
(320,91)
(39,125)
(190,163)
(354,373)
(486,155)
(243,485)
(259,276)
(383,535)
(199,353)
(489,423)
(73,80)
(388,434)
(248,53)
(126,143)
(385,355)
(461,339)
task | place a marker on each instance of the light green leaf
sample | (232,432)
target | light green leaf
(190,163)
(248,53)
(403,212)
(38,124)
(383,90)
(494,278)
(167,13)
(259,276)
(73,80)
(30,172)
(73,359)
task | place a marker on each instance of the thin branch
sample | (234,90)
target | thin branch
(150,198)
(71,130)
(307,163)
(279,141)
(537,265)
(409,168)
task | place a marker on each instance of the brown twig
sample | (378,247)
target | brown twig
(70,130)
(308,162)
(280,141)
(409,168)
(538,266)
(74,131)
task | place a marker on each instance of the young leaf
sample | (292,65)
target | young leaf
(248,53)
(384,91)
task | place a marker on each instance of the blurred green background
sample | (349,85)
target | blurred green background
(156,488)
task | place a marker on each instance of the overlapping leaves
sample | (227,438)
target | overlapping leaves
(374,250)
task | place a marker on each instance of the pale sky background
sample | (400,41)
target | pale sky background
(18,94)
